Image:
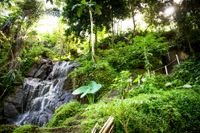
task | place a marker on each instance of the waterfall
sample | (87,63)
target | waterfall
(43,96)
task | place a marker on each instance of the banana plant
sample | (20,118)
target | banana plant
(88,91)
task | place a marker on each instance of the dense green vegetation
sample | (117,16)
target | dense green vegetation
(121,61)
(160,104)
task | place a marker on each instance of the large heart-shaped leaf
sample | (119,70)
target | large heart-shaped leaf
(94,87)
(85,93)
(80,90)
(91,88)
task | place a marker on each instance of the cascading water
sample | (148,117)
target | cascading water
(42,97)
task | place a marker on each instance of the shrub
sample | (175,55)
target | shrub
(140,51)
(188,72)
(122,83)
(101,72)
(171,111)
(151,85)
(31,54)
(122,58)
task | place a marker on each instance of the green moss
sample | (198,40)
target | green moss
(27,129)
(59,130)
(63,112)
(7,128)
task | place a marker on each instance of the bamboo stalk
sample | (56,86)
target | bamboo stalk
(111,129)
(107,125)
(94,128)
(101,131)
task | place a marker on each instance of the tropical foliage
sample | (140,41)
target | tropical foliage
(121,72)
(88,91)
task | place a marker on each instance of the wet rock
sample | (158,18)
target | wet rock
(36,106)
(10,110)
(16,99)
(42,93)
(43,119)
(41,69)
(68,97)
(68,85)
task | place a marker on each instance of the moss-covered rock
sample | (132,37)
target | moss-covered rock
(27,129)
(63,112)
(7,128)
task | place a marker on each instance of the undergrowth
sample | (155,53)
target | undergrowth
(160,104)
(169,111)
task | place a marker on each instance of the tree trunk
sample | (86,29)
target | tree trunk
(16,47)
(134,24)
(92,36)
(113,32)
(96,37)
(68,44)
(15,52)
(133,15)
(190,47)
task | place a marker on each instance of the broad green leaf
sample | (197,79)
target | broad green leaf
(91,88)
(137,79)
(168,84)
(80,90)
(94,87)
(85,93)
(83,2)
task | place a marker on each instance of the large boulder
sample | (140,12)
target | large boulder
(13,105)
(17,98)
(10,110)
(41,69)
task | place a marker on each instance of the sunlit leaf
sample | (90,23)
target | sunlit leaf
(80,90)
(98,9)
(91,88)
(83,2)
(94,87)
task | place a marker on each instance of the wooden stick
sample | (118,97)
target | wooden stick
(166,70)
(110,122)
(111,129)
(106,126)
(177,59)
(94,128)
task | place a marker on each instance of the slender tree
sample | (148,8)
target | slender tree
(89,5)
